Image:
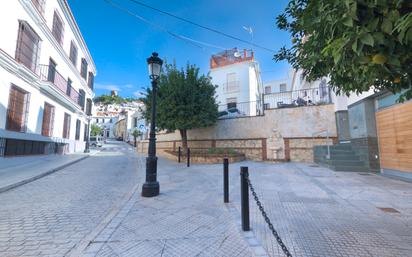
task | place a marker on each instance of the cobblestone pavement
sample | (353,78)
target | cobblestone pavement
(50,216)
(323,213)
(188,218)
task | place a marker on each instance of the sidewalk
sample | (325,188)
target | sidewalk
(16,171)
(188,218)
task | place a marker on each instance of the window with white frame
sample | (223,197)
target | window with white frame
(283,87)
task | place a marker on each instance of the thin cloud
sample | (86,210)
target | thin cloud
(128,86)
(138,94)
(107,87)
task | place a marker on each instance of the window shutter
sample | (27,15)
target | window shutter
(91,80)
(57,29)
(83,70)
(69,87)
(82,98)
(18,108)
(27,49)
(89,107)
(66,126)
(77,129)
(73,53)
(48,120)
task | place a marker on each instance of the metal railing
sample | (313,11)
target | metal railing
(239,110)
(303,97)
(50,74)
(327,139)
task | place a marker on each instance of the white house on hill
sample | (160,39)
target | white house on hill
(237,75)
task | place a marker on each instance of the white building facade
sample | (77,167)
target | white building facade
(237,76)
(46,79)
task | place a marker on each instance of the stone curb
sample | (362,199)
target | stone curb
(25,181)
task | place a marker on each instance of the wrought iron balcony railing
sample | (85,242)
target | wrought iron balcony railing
(50,74)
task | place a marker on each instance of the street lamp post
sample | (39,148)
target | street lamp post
(151,186)
(87,148)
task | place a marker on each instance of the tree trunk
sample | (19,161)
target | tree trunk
(183,134)
(135,141)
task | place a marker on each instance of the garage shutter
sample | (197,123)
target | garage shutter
(395,137)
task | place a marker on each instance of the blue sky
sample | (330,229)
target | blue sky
(120,43)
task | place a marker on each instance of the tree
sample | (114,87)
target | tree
(95,130)
(185,100)
(357,43)
(113,99)
(136,133)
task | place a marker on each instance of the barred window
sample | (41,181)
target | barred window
(66,126)
(18,109)
(48,120)
(77,129)
(28,46)
(73,53)
(57,29)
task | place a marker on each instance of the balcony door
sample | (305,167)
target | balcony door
(52,70)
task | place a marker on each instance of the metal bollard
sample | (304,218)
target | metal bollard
(226,180)
(179,154)
(244,194)
(188,157)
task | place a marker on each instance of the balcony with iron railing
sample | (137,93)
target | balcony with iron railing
(50,74)
(303,97)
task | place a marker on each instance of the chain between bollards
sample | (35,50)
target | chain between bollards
(264,214)
(226,180)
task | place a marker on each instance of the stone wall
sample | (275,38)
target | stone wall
(252,148)
(280,135)
(301,149)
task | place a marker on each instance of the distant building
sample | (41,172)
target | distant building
(46,79)
(237,75)
(295,90)
(119,120)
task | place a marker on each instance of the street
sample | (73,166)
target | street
(51,215)
(94,208)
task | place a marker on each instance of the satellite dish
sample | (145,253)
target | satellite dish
(237,54)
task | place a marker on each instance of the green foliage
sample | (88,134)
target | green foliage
(109,99)
(185,100)
(215,150)
(136,133)
(357,43)
(95,130)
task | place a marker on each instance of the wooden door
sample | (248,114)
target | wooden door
(394,126)
(16,109)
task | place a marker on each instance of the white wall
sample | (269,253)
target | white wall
(12,72)
(250,85)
